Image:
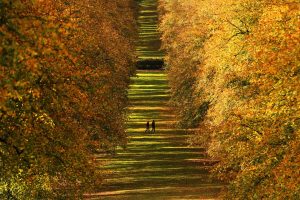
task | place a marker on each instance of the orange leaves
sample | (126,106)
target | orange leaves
(247,68)
(59,66)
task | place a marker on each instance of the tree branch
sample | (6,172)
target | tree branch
(241,31)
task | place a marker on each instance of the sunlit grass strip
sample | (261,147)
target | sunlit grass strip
(151,73)
(148,33)
(148,11)
(151,57)
(147,16)
(147,90)
(152,189)
(152,78)
(149,96)
(146,108)
(175,177)
(149,86)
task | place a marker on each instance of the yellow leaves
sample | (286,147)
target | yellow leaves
(274,13)
(14,95)
(45,119)
(247,68)
(60,67)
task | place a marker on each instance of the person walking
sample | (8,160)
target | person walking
(153,126)
(147,127)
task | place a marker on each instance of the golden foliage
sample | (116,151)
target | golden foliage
(241,57)
(64,71)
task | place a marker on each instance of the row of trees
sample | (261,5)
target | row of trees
(234,69)
(64,69)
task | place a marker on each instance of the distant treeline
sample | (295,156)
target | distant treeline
(150,64)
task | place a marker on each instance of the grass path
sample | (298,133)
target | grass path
(156,166)
(160,165)
(148,44)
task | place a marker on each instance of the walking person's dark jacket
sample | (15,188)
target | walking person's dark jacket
(153,126)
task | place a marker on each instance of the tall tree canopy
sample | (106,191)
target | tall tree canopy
(234,68)
(64,70)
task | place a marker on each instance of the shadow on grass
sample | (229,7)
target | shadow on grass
(157,165)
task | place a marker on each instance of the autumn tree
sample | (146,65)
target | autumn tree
(183,36)
(63,85)
(246,68)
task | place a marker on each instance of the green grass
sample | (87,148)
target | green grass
(148,45)
(161,165)
(156,166)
